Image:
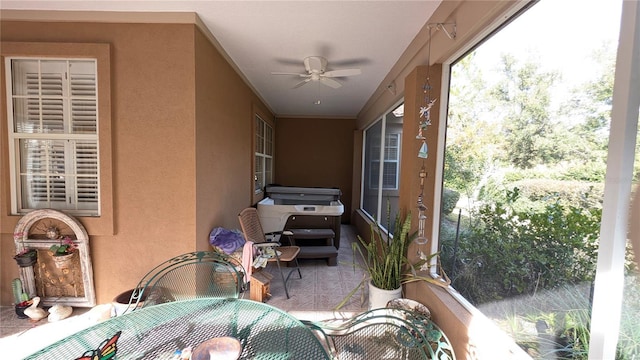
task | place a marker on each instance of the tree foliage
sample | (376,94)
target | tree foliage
(521,155)
(472,139)
(524,97)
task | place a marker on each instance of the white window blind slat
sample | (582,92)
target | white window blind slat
(83,116)
(34,189)
(83,85)
(52,84)
(56,157)
(83,101)
(87,189)
(33,157)
(57,189)
(86,158)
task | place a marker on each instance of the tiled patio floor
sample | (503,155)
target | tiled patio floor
(313,297)
(322,287)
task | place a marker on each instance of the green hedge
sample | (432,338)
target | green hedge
(507,252)
(449,200)
(535,194)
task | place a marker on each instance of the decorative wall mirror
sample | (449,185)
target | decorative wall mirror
(64,278)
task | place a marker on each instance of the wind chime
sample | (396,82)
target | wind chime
(423,153)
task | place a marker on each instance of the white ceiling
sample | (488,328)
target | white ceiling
(265,36)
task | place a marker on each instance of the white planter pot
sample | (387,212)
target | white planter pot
(121,303)
(378,298)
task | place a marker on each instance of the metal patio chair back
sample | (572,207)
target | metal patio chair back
(252,230)
(192,275)
(384,334)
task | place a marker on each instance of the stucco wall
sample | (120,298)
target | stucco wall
(316,153)
(181,131)
(225,109)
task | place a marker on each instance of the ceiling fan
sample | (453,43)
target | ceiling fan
(316,67)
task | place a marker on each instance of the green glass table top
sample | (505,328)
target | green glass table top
(158,331)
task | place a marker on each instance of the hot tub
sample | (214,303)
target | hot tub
(288,207)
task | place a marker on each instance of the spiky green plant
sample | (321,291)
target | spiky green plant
(384,258)
(18,295)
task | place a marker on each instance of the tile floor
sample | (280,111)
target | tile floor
(322,287)
(313,297)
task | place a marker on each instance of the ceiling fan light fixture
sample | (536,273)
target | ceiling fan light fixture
(317,102)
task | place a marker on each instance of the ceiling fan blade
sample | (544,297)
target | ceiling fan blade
(343,72)
(288,73)
(301,83)
(330,82)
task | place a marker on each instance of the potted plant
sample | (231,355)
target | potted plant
(26,257)
(20,298)
(63,252)
(386,266)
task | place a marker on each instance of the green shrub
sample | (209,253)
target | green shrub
(449,200)
(568,193)
(535,194)
(510,252)
(591,172)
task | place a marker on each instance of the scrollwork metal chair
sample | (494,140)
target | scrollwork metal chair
(384,334)
(192,275)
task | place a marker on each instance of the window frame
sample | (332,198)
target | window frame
(95,225)
(262,154)
(615,201)
(68,139)
(380,215)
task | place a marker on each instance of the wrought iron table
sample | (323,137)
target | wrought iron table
(158,331)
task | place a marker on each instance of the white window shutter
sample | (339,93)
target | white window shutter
(87,172)
(83,103)
(57,98)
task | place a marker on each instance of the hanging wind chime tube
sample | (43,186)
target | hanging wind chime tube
(422,218)
(425,120)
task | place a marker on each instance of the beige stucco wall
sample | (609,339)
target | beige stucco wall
(225,109)
(316,153)
(181,135)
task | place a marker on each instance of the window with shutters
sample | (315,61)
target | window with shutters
(263,162)
(53,132)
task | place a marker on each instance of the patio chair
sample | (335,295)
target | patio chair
(384,333)
(252,229)
(192,275)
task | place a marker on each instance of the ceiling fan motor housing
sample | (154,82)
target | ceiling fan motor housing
(315,64)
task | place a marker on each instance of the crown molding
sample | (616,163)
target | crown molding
(101,16)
